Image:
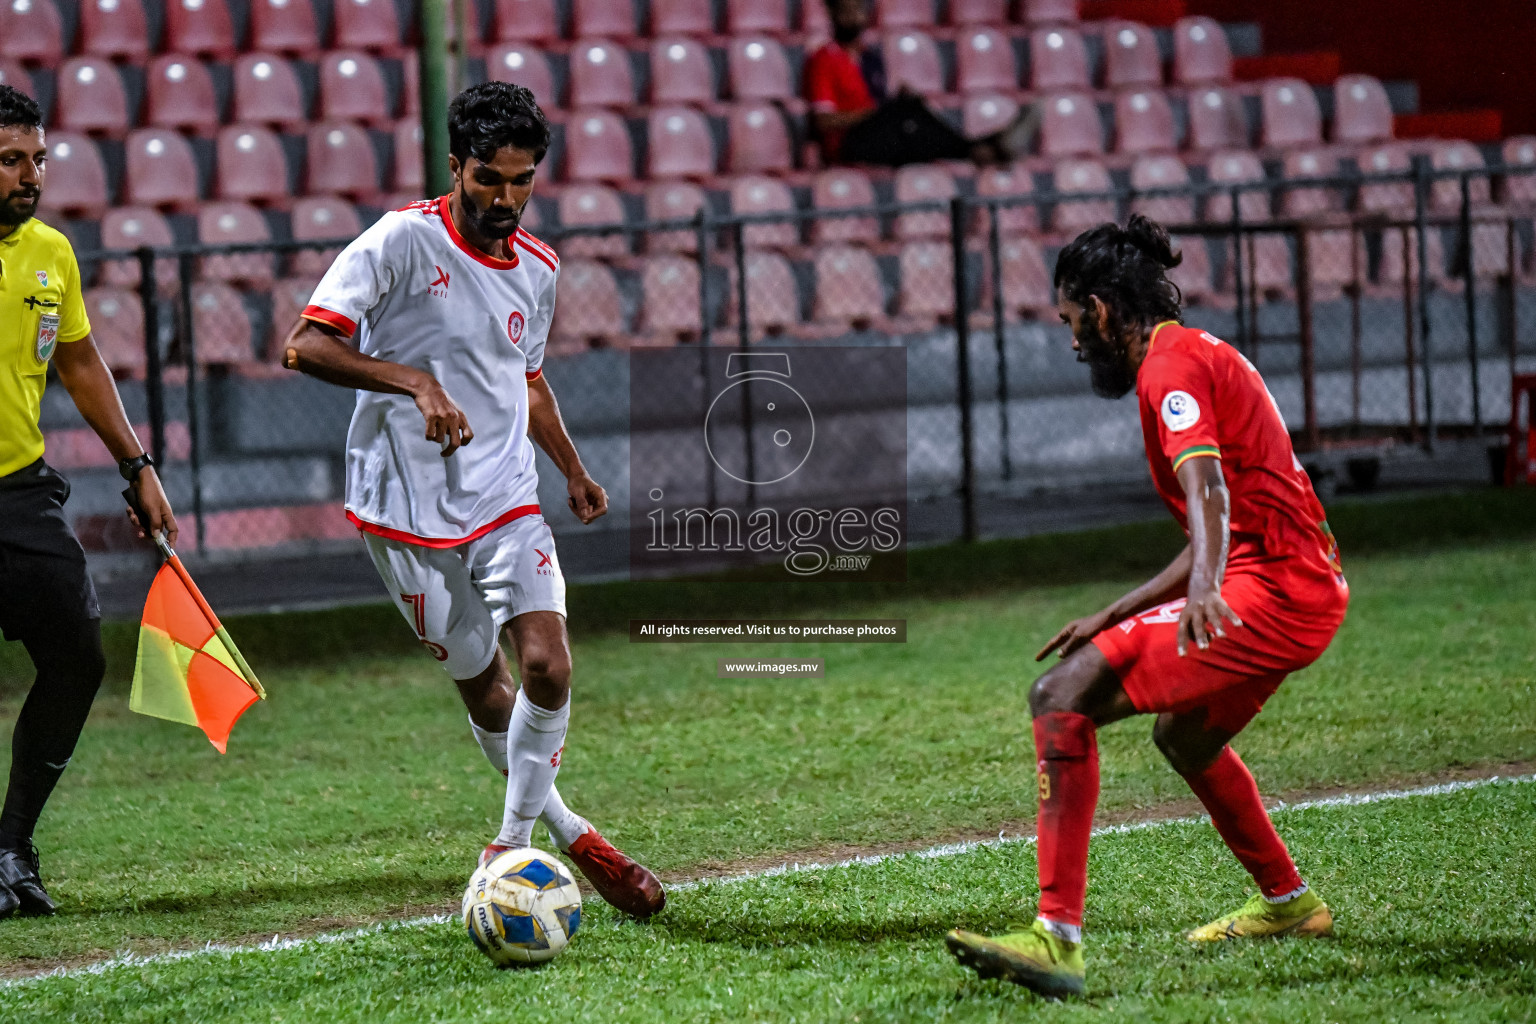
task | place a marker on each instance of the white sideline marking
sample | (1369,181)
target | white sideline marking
(276,944)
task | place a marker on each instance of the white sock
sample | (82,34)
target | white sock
(493,745)
(535,737)
(1062,930)
(565,825)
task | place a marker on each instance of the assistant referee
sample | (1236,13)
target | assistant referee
(47,600)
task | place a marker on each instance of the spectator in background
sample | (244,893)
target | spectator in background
(857,123)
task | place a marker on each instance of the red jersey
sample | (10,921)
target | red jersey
(834,84)
(1200,397)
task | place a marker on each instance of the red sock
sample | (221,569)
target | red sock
(1067,748)
(1231,796)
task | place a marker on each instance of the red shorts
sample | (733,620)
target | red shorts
(1288,621)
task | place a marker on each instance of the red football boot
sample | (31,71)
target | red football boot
(491,850)
(617,879)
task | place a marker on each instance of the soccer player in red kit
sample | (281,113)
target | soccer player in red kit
(1256,594)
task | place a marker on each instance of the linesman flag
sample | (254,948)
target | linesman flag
(188,669)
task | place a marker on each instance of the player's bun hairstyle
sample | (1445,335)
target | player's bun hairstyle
(17,110)
(1126,268)
(491,115)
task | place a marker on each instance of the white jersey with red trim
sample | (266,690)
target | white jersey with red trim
(410,290)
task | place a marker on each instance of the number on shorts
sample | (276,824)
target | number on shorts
(418,603)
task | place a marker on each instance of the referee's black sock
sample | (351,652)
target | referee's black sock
(70,665)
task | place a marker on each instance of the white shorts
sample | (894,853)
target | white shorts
(457,599)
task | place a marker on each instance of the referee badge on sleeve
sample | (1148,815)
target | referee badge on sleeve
(47,336)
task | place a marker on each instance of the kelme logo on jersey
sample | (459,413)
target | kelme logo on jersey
(1180,411)
(515,326)
(47,336)
(439,285)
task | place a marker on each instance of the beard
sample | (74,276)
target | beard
(492,222)
(847,34)
(18,208)
(1109,366)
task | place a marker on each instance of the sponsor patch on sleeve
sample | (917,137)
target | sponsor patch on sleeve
(1180,411)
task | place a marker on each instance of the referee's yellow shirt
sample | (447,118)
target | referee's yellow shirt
(40,308)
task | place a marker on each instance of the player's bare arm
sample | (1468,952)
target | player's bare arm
(1154,592)
(587,498)
(322,353)
(1210,511)
(85,376)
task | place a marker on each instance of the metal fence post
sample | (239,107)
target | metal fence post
(1000,334)
(194,421)
(1471,299)
(154,385)
(1304,320)
(743,339)
(706,338)
(1421,235)
(957,212)
(1237,272)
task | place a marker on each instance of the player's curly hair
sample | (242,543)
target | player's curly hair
(488,116)
(18,110)
(1126,268)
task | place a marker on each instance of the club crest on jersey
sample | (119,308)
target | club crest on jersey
(1180,410)
(515,327)
(439,285)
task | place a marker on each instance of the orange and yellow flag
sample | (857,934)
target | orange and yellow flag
(188,669)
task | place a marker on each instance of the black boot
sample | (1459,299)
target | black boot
(19,873)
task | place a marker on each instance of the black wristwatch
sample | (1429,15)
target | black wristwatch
(131,468)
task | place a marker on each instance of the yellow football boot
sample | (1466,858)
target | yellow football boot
(1305,915)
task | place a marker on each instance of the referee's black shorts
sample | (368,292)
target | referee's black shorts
(45,589)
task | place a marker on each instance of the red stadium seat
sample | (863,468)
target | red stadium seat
(602,19)
(912,60)
(130,227)
(1131,56)
(31,30)
(1026,283)
(593,206)
(849,291)
(673,201)
(1155,172)
(1400,257)
(597,148)
(1200,52)
(681,72)
(252,166)
(523,65)
(843,188)
(600,75)
(927,281)
(1081,176)
(1520,187)
(757,194)
(340,161)
(1386,197)
(161,170)
(1009,182)
(1193,274)
(221,326)
(179,93)
(524,21)
(904,13)
(744,17)
(232,224)
(669,298)
(1309,202)
(114,28)
(77,178)
(117,327)
(198,27)
(919,183)
(773,298)
(1234,169)
(682,18)
(1070,125)
(977,12)
(985,115)
(289,297)
(758,69)
(680,144)
(1361,111)
(1143,122)
(1058,59)
(759,140)
(408,177)
(13,74)
(267,91)
(91,97)
(1445,193)
(1216,119)
(282,26)
(352,88)
(320,219)
(364,25)
(1047,12)
(984,62)
(1290,114)
(587,305)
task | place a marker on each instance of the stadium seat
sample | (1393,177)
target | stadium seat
(1193,274)
(221,326)
(681,72)
(1070,125)
(1385,197)
(757,194)
(597,148)
(282,26)
(927,281)
(985,115)
(340,161)
(1007,183)
(1026,283)
(1081,176)
(114,28)
(843,188)
(352,88)
(977,12)
(77,178)
(747,17)
(759,140)
(524,21)
(669,299)
(522,64)
(179,93)
(587,305)
(1155,172)
(922,183)
(160,170)
(912,60)
(1520,187)
(289,297)
(1216,119)
(267,91)
(1290,114)
(1399,257)
(593,206)
(1058,59)
(1445,193)
(816,23)
(31,30)
(682,18)
(198,27)
(320,219)
(117,327)
(1316,200)
(1131,56)
(602,19)
(1200,52)
(91,97)
(364,25)
(600,75)
(758,69)
(1361,111)
(849,291)
(407,176)
(1047,12)
(672,201)
(1236,168)
(680,145)
(1143,122)
(130,227)
(773,298)
(233,224)
(252,166)
(984,62)
(904,13)
(13,74)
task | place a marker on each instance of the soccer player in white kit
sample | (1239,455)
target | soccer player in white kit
(447,304)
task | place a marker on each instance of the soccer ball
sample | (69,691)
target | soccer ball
(522,907)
